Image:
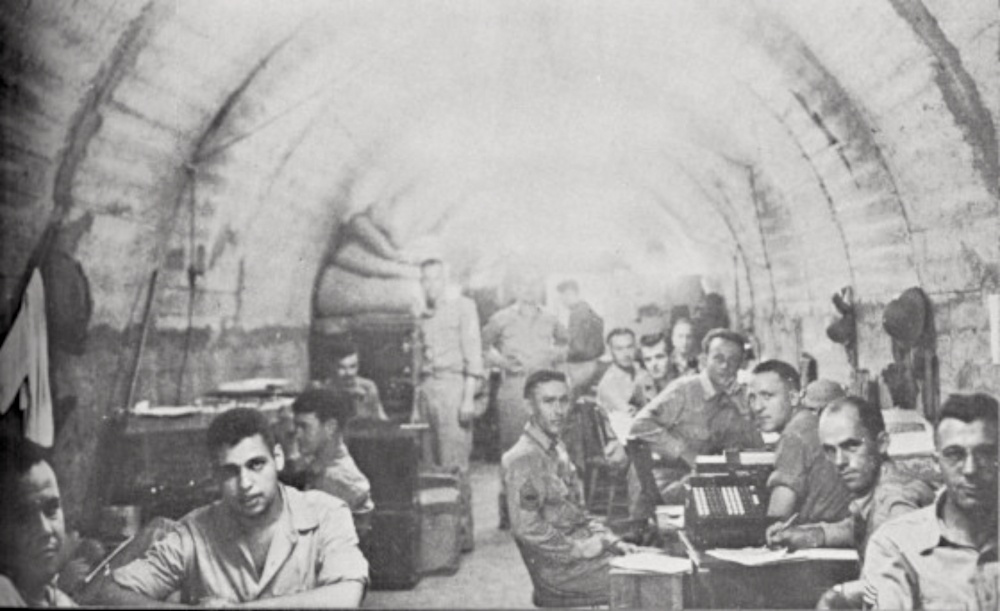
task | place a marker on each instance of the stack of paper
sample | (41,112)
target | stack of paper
(762,556)
(651,562)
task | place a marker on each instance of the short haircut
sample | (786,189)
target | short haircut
(650,340)
(326,403)
(727,334)
(18,456)
(788,374)
(431,262)
(567,285)
(619,331)
(234,425)
(869,415)
(540,377)
(343,349)
(968,408)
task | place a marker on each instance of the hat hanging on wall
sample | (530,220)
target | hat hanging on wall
(843,330)
(905,319)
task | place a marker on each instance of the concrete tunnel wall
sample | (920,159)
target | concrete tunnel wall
(786,148)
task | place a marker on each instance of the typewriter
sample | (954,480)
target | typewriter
(725,501)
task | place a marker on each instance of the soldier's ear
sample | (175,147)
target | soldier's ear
(279,457)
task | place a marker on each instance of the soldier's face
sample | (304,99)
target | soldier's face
(433,281)
(347,368)
(622,348)
(723,360)
(967,453)
(682,338)
(772,401)
(851,448)
(40,529)
(550,406)
(655,360)
(248,476)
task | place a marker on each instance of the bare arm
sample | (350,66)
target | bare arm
(113,595)
(343,595)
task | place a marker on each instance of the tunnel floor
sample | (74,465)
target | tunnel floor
(491,576)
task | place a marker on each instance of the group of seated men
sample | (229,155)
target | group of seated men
(833,484)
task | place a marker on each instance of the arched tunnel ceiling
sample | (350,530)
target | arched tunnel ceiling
(816,142)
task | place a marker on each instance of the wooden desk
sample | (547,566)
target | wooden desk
(717,584)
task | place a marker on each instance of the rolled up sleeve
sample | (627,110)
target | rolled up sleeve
(654,422)
(790,469)
(338,555)
(161,571)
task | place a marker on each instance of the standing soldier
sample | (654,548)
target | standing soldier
(452,368)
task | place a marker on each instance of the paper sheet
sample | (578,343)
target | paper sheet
(649,562)
(762,556)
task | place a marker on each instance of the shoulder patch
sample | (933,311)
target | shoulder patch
(530,499)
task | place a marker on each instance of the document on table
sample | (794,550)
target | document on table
(763,556)
(650,562)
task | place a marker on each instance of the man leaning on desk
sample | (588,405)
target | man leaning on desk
(261,545)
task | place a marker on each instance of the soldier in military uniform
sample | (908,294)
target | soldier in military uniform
(566,550)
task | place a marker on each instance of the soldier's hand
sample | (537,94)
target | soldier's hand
(624,548)
(794,537)
(467,412)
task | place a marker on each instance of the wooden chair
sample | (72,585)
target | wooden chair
(606,488)
(546,596)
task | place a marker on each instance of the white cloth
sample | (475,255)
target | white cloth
(24,365)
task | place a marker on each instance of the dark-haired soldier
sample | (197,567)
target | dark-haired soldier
(262,544)
(698,414)
(32,529)
(367,403)
(567,551)
(803,481)
(944,556)
(320,416)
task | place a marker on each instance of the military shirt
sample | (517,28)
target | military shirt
(620,394)
(451,339)
(690,417)
(893,495)
(913,562)
(205,557)
(367,402)
(335,472)
(546,502)
(801,466)
(527,336)
(52,596)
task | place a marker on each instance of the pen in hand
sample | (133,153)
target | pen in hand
(776,528)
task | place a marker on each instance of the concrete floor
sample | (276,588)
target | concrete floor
(492,575)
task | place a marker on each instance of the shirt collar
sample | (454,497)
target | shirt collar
(299,513)
(540,437)
(710,390)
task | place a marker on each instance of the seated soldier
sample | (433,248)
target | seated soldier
(944,556)
(854,439)
(623,388)
(566,550)
(261,543)
(32,529)
(367,403)
(803,483)
(697,414)
(320,418)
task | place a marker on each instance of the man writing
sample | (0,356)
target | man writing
(261,545)
(320,416)
(945,555)
(699,414)
(567,551)
(803,483)
(452,370)
(852,433)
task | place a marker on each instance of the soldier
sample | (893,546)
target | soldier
(451,371)
(567,551)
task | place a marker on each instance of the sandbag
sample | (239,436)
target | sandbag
(362,227)
(343,293)
(354,257)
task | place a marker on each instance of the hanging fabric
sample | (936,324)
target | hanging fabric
(24,366)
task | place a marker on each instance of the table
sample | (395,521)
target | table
(718,584)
